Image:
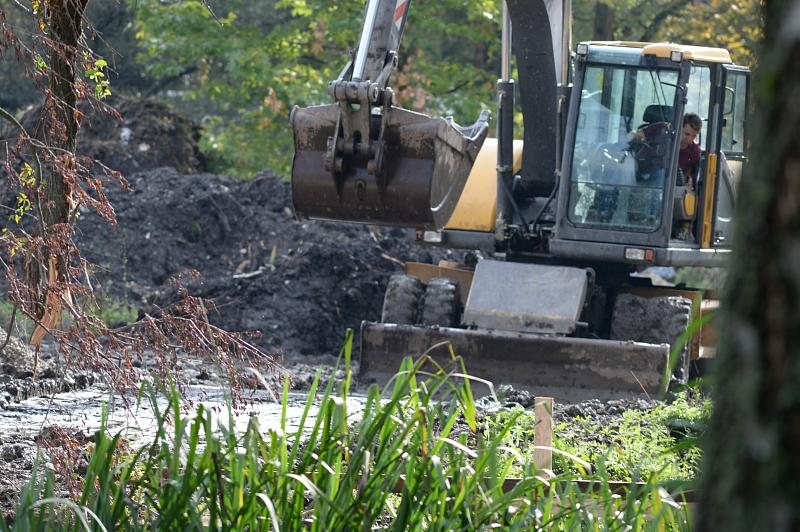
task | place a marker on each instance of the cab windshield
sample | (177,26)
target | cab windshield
(625,138)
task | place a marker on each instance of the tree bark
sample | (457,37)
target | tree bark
(751,475)
(59,125)
(603,22)
(61,118)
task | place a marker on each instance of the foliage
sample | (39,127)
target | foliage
(396,464)
(736,25)
(637,444)
(114,312)
(248,65)
(663,441)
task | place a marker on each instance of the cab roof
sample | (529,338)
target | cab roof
(665,49)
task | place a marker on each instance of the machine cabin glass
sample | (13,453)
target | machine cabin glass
(625,142)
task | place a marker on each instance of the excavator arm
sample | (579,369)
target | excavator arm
(362,159)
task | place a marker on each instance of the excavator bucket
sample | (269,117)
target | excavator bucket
(415,181)
(364,160)
(567,368)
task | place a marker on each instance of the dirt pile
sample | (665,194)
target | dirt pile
(300,283)
(149,135)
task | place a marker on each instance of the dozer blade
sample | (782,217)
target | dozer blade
(416,182)
(569,369)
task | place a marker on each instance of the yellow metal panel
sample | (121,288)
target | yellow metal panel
(477,207)
(690,203)
(697,53)
(665,49)
(708,204)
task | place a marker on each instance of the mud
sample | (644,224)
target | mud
(36,430)
(146,135)
(651,320)
(24,374)
(302,284)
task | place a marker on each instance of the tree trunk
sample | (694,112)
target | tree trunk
(59,126)
(603,22)
(61,120)
(751,475)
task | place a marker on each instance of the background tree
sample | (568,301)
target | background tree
(111,37)
(246,64)
(752,460)
(732,24)
(45,273)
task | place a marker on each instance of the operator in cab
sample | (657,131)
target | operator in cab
(689,155)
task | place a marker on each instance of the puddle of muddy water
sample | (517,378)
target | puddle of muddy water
(82,411)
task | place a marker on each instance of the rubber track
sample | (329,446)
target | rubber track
(401,304)
(440,304)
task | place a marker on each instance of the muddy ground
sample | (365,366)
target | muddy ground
(302,284)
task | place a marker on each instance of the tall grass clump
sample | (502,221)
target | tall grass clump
(409,458)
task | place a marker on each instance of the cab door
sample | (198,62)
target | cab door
(730,157)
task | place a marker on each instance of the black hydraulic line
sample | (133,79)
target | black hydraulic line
(505,153)
(538,86)
(546,203)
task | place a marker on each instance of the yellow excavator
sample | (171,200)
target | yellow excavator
(563,220)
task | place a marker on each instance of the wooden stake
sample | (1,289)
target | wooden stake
(543,434)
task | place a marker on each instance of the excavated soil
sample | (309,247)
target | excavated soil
(147,134)
(302,284)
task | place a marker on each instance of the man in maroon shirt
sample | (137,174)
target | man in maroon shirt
(689,155)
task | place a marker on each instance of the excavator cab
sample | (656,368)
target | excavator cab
(626,133)
(362,159)
(624,198)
